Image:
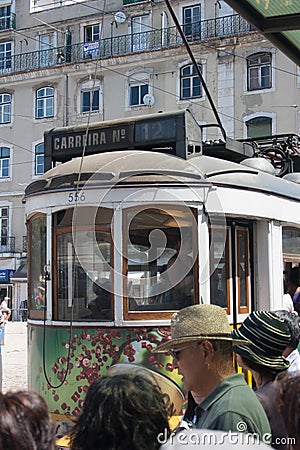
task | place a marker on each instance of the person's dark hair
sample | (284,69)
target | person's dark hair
(25,423)
(292,321)
(262,370)
(288,399)
(121,412)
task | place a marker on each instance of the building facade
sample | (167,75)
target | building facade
(73,62)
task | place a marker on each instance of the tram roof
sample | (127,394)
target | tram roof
(136,167)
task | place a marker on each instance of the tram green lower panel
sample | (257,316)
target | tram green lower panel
(92,352)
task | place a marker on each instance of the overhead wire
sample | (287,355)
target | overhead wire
(70,332)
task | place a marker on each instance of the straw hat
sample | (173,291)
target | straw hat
(195,323)
(268,336)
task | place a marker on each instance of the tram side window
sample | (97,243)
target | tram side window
(83,265)
(160,259)
(37,262)
(219,263)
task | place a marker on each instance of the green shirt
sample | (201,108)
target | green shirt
(233,406)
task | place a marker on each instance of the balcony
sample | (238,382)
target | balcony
(124,45)
(7,244)
(129,2)
(8,22)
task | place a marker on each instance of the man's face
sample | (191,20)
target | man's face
(190,364)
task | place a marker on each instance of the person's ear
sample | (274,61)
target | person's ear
(208,350)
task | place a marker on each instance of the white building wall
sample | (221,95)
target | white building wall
(226,91)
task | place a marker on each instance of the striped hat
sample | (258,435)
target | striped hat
(268,336)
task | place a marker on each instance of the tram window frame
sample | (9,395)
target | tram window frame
(241,308)
(226,262)
(64,229)
(32,312)
(148,312)
(290,257)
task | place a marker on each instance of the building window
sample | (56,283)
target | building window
(140,27)
(92,33)
(138,86)
(192,22)
(90,97)
(90,101)
(259,126)
(190,85)
(5,108)
(44,106)
(137,93)
(4,227)
(4,162)
(5,55)
(91,41)
(47,52)
(39,159)
(5,17)
(259,71)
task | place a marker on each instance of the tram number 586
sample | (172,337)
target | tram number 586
(75,197)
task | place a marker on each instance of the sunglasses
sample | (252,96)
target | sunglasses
(176,353)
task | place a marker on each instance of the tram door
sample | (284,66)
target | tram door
(230,280)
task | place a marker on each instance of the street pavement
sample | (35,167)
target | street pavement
(14,357)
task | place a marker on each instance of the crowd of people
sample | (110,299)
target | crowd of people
(127,410)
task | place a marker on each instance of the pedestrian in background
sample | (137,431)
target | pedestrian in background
(294,287)
(126,411)
(5,313)
(288,398)
(25,422)
(269,337)
(23,311)
(291,353)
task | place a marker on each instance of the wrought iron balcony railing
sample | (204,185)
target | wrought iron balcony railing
(129,2)
(124,45)
(8,22)
(7,244)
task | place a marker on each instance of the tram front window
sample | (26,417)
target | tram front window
(160,259)
(83,265)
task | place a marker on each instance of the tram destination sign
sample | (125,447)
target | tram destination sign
(170,132)
(74,142)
